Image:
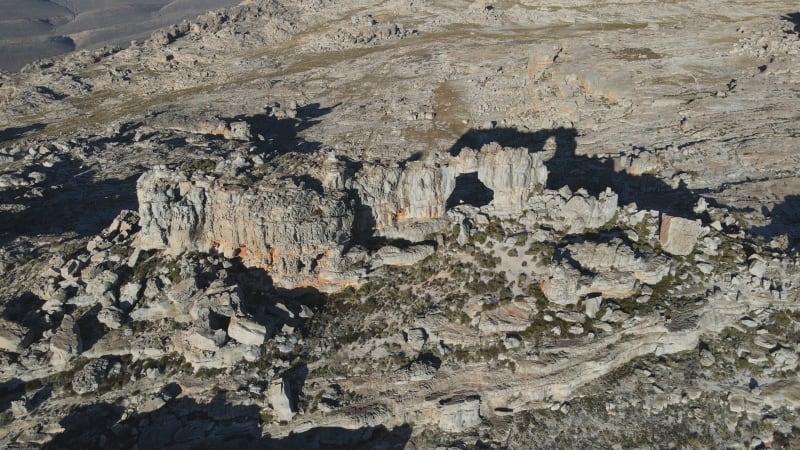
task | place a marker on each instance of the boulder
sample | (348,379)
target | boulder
(592,306)
(280,396)
(619,257)
(614,284)
(564,286)
(183,291)
(394,256)
(782,393)
(785,359)
(246,331)
(111,317)
(12,336)
(66,342)
(205,340)
(129,294)
(416,338)
(101,283)
(19,408)
(572,213)
(678,236)
(505,318)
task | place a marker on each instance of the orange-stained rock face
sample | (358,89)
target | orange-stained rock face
(298,231)
(295,234)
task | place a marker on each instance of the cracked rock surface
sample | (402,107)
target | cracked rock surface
(408,224)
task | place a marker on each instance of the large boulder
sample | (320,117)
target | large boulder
(65,343)
(12,336)
(111,317)
(246,331)
(512,174)
(565,285)
(678,236)
(616,256)
(505,318)
(571,212)
(394,256)
(280,396)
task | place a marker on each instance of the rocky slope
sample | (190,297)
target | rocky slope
(406,224)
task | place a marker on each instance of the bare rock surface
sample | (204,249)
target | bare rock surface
(399,224)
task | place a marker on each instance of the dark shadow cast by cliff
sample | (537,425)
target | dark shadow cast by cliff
(282,133)
(25,310)
(794,19)
(567,168)
(470,190)
(91,330)
(14,133)
(69,199)
(85,426)
(183,423)
(11,390)
(267,304)
(784,221)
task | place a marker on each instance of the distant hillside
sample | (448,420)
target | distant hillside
(36,29)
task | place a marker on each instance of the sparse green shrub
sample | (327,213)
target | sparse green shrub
(199,165)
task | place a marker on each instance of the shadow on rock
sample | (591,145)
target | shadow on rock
(11,390)
(67,200)
(567,168)
(280,131)
(14,133)
(784,221)
(794,19)
(25,310)
(184,423)
(87,427)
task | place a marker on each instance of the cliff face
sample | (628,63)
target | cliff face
(299,234)
(295,233)
(396,195)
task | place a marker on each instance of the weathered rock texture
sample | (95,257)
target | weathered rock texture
(296,234)
(300,234)
(401,224)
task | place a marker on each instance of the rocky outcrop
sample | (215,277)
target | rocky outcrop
(295,233)
(513,174)
(420,190)
(616,256)
(211,126)
(433,152)
(298,232)
(394,195)
(571,212)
